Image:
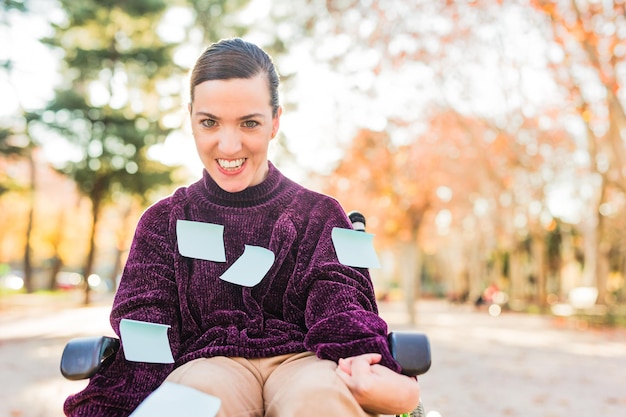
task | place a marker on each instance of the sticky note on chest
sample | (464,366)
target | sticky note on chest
(251,267)
(201,240)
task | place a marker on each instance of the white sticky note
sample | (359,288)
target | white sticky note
(201,240)
(251,267)
(355,248)
(172,399)
(145,342)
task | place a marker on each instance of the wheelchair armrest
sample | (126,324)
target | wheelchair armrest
(411,350)
(83,357)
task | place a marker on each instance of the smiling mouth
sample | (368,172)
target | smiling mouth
(231,164)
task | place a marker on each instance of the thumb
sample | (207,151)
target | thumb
(361,364)
(371,358)
(344,365)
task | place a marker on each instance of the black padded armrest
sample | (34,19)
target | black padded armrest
(411,350)
(83,357)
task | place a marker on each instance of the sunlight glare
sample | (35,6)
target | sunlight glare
(172,26)
(495,310)
(255,10)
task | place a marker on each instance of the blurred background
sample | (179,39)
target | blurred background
(483,140)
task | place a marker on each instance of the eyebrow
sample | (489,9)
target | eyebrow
(212,116)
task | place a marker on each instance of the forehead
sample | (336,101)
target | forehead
(233,94)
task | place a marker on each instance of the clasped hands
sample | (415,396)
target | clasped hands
(377,388)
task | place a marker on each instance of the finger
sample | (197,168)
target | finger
(345,366)
(361,365)
(371,358)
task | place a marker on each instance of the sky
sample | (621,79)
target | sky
(35,71)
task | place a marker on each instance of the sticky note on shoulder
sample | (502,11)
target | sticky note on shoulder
(172,399)
(355,248)
(145,342)
(201,240)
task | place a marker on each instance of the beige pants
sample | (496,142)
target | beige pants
(283,386)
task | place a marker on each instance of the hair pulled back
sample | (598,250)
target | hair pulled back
(235,58)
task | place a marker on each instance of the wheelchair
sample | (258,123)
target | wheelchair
(83,357)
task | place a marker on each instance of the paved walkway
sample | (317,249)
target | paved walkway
(483,366)
(519,365)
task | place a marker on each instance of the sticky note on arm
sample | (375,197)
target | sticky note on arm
(145,342)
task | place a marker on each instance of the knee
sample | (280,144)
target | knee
(206,375)
(314,397)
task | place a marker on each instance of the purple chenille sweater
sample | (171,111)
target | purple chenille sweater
(307,301)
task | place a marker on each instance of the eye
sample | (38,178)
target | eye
(250,124)
(208,122)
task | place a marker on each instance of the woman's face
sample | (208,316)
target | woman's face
(232,126)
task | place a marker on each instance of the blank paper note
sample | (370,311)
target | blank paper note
(200,240)
(172,399)
(145,342)
(251,267)
(355,248)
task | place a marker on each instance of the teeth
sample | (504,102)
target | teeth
(232,164)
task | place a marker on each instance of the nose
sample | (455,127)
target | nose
(229,142)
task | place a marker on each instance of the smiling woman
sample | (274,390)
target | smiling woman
(234,115)
(267,348)
(232,125)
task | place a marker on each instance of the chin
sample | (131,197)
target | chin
(231,187)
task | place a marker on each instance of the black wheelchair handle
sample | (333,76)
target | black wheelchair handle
(358,220)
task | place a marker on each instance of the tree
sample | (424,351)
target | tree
(113,101)
(451,90)
(589,39)
(121,94)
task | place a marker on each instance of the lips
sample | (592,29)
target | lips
(231,164)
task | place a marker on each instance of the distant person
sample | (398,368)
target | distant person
(488,295)
(307,340)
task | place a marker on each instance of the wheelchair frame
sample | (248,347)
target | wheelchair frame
(83,357)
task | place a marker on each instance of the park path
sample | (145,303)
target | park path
(507,366)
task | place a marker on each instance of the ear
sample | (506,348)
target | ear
(189,108)
(276,122)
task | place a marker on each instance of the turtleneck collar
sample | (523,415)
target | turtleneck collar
(207,190)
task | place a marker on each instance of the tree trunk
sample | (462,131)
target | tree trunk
(410,266)
(122,239)
(602,274)
(57,262)
(539,269)
(91,254)
(28,267)
(516,275)
(477,271)
(590,248)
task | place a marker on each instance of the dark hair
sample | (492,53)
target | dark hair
(235,58)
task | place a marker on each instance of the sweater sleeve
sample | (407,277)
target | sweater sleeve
(147,292)
(341,312)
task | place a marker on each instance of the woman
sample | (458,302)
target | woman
(304,341)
